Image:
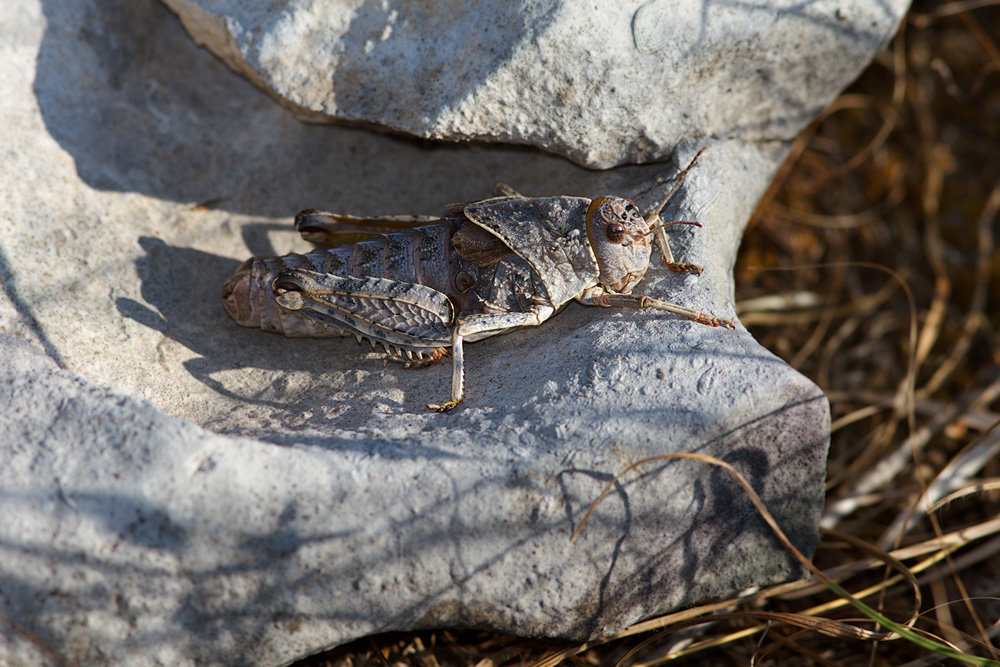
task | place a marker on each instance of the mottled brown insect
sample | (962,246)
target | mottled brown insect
(419,286)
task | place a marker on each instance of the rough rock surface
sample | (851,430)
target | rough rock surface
(603,83)
(179,490)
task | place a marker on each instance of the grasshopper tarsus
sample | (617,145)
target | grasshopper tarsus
(716,322)
(680,267)
(445,407)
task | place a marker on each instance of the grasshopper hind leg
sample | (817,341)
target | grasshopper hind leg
(413,360)
(457,374)
(482,325)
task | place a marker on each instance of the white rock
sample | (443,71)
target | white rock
(179,490)
(603,83)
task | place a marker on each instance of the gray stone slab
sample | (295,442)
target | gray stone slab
(180,490)
(604,84)
(131,537)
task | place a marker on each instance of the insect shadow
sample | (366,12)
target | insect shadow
(181,293)
(182,287)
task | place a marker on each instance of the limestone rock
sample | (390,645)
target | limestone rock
(131,537)
(603,83)
(179,490)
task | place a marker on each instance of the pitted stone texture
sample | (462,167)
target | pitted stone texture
(179,490)
(603,83)
(130,537)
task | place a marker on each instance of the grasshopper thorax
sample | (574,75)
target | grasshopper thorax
(620,239)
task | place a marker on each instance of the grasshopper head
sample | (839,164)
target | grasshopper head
(620,238)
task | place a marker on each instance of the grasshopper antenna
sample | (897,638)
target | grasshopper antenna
(656,228)
(654,217)
(656,212)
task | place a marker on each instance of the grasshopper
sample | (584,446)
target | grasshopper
(420,285)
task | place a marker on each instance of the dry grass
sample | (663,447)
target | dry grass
(882,223)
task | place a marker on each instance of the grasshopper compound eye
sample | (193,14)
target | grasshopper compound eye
(615,232)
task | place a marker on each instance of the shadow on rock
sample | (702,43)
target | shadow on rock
(125,91)
(301,385)
(183,285)
(718,512)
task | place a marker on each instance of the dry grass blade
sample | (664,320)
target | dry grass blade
(924,20)
(976,317)
(898,629)
(983,486)
(892,465)
(967,463)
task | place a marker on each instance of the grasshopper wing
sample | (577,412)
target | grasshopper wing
(398,315)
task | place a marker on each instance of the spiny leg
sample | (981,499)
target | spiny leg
(479,323)
(402,317)
(642,302)
(324,228)
(681,267)
(457,374)
(504,190)
(410,360)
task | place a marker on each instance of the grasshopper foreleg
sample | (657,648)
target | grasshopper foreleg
(653,220)
(598,297)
